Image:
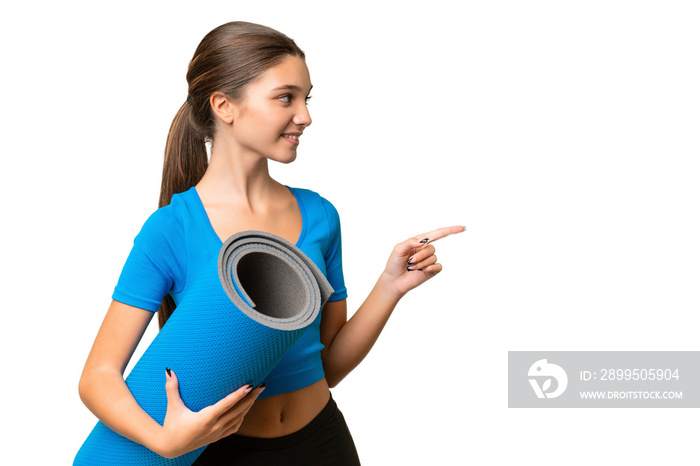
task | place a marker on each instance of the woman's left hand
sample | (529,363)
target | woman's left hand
(413,262)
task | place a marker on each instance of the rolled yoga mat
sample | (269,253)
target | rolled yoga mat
(243,314)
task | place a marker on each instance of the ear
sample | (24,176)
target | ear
(224,107)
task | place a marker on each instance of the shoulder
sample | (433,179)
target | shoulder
(167,222)
(157,263)
(316,203)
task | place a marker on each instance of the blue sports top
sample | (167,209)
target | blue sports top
(177,242)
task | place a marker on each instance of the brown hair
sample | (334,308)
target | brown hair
(228,58)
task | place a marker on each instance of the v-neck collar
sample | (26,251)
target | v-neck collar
(205,216)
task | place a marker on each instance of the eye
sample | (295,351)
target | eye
(307,99)
(286,98)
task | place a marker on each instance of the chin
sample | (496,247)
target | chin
(285,160)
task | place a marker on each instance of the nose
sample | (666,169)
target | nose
(302,116)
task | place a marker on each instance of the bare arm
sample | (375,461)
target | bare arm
(353,339)
(347,343)
(102,386)
(104,392)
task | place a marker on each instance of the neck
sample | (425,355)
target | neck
(234,176)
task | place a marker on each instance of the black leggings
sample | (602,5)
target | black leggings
(325,440)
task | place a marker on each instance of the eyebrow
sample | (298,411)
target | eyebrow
(291,87)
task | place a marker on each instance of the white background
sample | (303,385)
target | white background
(564,135)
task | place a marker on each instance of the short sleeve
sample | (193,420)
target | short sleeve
(334,253)
(156,264)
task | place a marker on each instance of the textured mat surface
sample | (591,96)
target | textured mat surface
(249,307)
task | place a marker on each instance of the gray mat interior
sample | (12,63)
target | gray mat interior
(276,291)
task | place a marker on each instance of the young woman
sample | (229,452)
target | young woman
(248,90)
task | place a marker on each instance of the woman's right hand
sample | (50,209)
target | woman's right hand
(185,430)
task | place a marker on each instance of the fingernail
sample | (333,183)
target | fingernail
(170,374)
(262,386)
(248,388)
(409,261)
(424,240)
(410,268)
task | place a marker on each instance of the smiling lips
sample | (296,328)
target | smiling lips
(293,138)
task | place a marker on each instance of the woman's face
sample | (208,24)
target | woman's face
(273,113)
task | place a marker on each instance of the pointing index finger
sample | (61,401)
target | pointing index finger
(441,233)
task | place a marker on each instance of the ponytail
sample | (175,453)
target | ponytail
(185,156)
(228,58)
(184,165)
